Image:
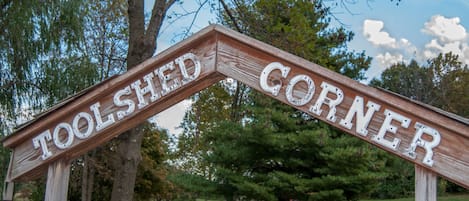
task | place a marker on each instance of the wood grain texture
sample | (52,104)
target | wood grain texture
(425,185)
(243,59)
(57,181)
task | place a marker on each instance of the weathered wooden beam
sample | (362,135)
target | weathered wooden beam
(57,181)
(425,184)
(405,128)
(114,106)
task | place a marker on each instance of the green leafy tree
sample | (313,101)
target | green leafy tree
(59,41)
(442,83)
(36,41)
(40,61)
(450,77)
(399,180)
(210,107)
(151,183)
(410,80)
(193,174)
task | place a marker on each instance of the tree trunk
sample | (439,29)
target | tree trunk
(88,176)
(84,178)
(126,164)
(142,44)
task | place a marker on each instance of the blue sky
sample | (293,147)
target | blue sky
(413,24)
(389,33)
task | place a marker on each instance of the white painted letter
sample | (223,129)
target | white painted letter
(164,79)
(357,110)
(99,119)
(387,127)
(126,102)
(142,91)
(186,78)
(76,126)
(40,141)
(323,99)
(419,141)
(291,85)
(69,133)
(274,90)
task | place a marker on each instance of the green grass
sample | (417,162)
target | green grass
(440,198)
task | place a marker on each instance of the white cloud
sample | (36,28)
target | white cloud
(456,47)
(405,41)
(450,36)
(445,29)
(387,59)
(372,29)
(390,49)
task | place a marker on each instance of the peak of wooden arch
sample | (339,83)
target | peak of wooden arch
(427,137)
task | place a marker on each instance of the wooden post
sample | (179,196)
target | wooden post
(8,186)
(425,184)
(8,191)
(57,181)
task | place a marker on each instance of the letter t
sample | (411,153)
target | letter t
(40,141)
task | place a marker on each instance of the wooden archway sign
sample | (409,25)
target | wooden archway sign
(434,140)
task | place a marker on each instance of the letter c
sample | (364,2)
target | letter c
(274,90)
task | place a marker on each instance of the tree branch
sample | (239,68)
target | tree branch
(136,32)
(157,16)
(230,15)
(196,13)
